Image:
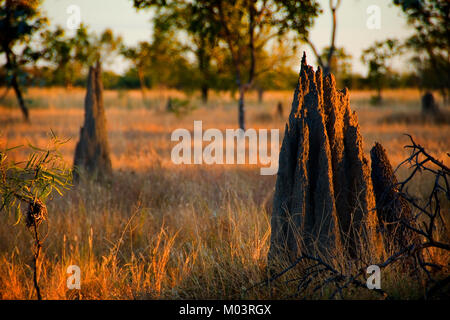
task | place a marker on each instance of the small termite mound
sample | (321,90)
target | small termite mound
(393,211)
(324,197)
(92,153)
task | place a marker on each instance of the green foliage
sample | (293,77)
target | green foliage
(340,64)
(32,181)
(180,18)
(71,56)
(275,66)
(180,107)
(229,38)
(60,51)
(160,63)
(19,21)
(430,19)
(297,16)
(215,45)
(377,57)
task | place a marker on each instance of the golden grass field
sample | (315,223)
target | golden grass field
(160,230)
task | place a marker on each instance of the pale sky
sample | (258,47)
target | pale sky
(352,32)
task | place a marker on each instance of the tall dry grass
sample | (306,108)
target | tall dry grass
(164,231)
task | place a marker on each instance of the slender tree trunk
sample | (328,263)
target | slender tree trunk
(333,8)
(241,108)
(438,71)
(260,95)
(10,65)
(205,89)
(327,65)
(316,53)
(37,249)
(68,82)
(204,60)
(379,89)
(378,98)
(142,85)
(236,56)
(23,107)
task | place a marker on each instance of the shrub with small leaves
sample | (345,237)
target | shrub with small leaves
(180,107)
(32,183)
(34,180)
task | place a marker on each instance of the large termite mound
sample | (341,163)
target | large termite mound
(394,213)
(324,196)
(92,150)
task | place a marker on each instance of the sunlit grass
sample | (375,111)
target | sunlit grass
(166,231)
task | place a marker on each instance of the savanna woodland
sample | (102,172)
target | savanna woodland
(91,182)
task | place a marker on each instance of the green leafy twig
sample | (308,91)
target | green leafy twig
(32,182)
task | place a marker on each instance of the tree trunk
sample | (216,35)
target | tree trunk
(142,85)
(205,89)
(379,87)
(379,97)
(260,95)
(22,105)
(241,108)
(10,65)
(204,60)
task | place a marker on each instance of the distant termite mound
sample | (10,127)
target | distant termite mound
(429,105)
(92,150)
(324,197)
(280,109)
